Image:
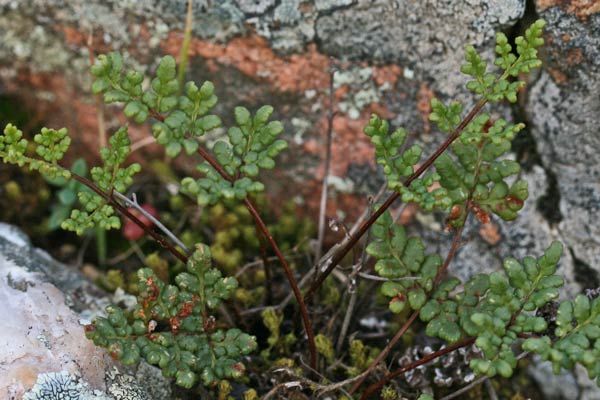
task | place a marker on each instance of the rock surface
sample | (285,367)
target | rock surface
(42,342)
(564,109)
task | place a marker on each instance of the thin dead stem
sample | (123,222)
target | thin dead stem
(376,386)
(134,204)
(288,272)
(353,289)
(325,187)
(110,200)
(102,141)
(309,274)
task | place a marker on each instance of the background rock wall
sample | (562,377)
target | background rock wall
(393,56)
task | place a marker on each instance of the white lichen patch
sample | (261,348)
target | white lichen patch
(363,90)
(341,185)
(123,386)
(287,12)
(301,126)
(62,386)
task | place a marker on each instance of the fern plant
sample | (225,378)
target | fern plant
(490,311)
(172,325)
(194,348)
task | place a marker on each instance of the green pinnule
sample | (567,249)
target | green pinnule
(171,326)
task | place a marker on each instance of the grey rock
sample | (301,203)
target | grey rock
(328,5)
(428,36)
(153,381)
(572,43)
(564,386)
(31,31)
(255,6)
(563,108)
(43,348)
(587,387)
(15,247)
(554,387)
(287,12)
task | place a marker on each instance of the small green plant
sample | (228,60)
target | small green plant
(172,326)
(67,195)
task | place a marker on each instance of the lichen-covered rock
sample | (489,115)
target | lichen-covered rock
(427,36)
(564,109)
(43,348)
(255,6)
(62,386)
(43,333)
(287,12)
(328,5)
(124,386)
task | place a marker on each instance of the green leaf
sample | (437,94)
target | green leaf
(447,118)
(251,146)
(178,343)
(401,257)
(137,111)
(397,305)
(166,69)
(116,96)
(430,310)
(398,165)
(110,175)
(417,298)
(391,289)
(548,262)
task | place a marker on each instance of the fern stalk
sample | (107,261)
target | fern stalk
(364,227)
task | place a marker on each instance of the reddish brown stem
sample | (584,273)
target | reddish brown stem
(367,224)
(385,350)
(159,239)
(266,265)
(438,278)
(288,272)
(213,163)
(292,281)
(450,256)
(376,386)
(414,315)
(156,115)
